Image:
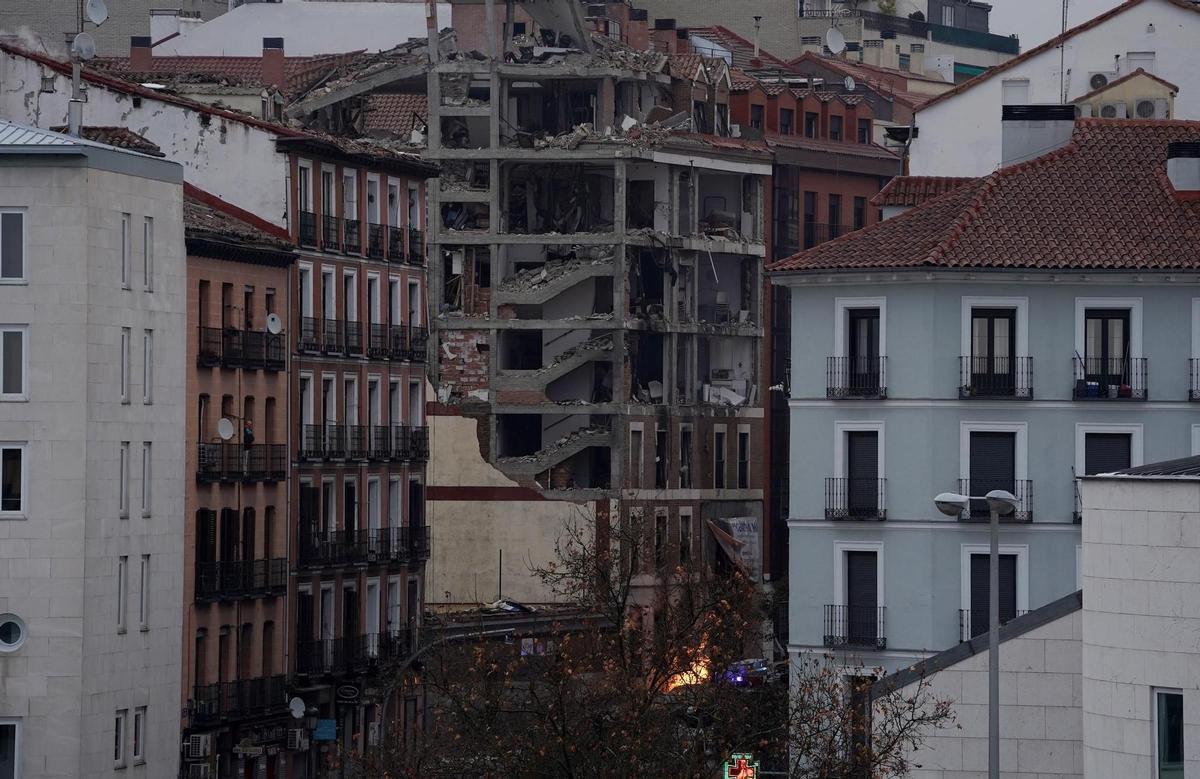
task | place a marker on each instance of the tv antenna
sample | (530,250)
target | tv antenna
(96,12)
(848,83)
(83,49)
(835,41)
(274,324)
(225,428)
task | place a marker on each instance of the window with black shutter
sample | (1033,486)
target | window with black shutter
(1106,452)
(350,505)
(229,535)
(206,535)
(304,616)
(862,473)
(993,466)
(416,503)
(248,534)
(349,612)
(862,597)
(810,219)
(979,591)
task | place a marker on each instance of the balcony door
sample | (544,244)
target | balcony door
(979,591)
(993,466)
(863,350)
(327,625)
(862,597)
(862,473)
(993,336)
(372,630)
(350,612)
(1106,346)
(1106,452)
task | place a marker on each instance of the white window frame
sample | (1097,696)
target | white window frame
(125,248)
(724,431)
(1195,441)
(1020,456)
(373,178)
(395,501)
(1022,554)
(840,308)
(1011,82)
(350,195)
(415,318)
(350,293)
(23,393)
(126,337)
(329,272)
(15,722)
(123,481)
(120,731)
(737,454)
(1020,304)
(840,428)
(122,594)
(374,299)
(23,511)
(947,22)
(144,594)
(148,367)
(147,478)
(148,253)
(396,606)
(1155,691)
(1135,440)
(416,390)
(306,290)
(839,569)
(24,277)
(395,401)
(374,503)
(305,204)
(139,735)
(1135,321)
(306,414)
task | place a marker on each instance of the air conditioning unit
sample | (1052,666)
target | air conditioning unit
(1151,109)
(197,746)
(297,740)
(1113,111)
(199,771)
(1100,79)
(1083,109)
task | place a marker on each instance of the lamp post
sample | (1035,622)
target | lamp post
(1000,502)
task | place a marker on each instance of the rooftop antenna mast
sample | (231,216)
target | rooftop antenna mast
(83,48)
(1062,56)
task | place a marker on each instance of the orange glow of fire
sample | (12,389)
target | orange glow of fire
(697,674)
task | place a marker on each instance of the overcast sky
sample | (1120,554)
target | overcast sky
(1036,21)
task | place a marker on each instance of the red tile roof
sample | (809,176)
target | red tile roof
(395,114)
(685,65)
(1053,43)
(831,147)
(1103,201)
(741,50)
(915,190)
(1122,80)
(886,81)
(299,73)
(121,137)
(207,217)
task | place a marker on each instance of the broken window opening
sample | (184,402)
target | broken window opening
(685,382)
(559,199)
(589,469)
(648,284)
(459,175)
(640,205)
(521,350)
(465,216)
(726,289)
(726,369)
(538,111)
(465,132)
(459,89)
(646,361)
(466,274)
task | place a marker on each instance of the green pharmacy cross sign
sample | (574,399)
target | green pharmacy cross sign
(741,765)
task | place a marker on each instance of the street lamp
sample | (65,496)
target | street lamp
(1000,502)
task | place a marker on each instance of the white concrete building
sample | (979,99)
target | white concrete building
(1100,684)
(958,132)
(92,326)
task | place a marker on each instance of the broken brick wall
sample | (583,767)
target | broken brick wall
(464,359)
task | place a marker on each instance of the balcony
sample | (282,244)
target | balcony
(974,39)
(331,233)
(855,626)
(354,338)
(235,579)
(1193,379)
(352,236)
(861,499)
(418,338)
(212,703)
(381,443)
(376,235)
(352,654)
(331,336)
(308,229)
(416,246)
(310,334)
(250,349)
(418,542)
(855,377)
(816,233)
(397,243)
(995,377)
(233,462)
(410,444)
(1116,378)
(978,511)
(397,342)
(968,630)
(323,442)
(326,548)
(377,342)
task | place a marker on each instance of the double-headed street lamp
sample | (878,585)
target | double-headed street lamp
(1000,503)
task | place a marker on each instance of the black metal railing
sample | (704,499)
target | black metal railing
(855,377)
(418,541)
(380,443)
(1194,379)
(1077,514)
(267,351)
(397,342)
(331,336)
(1115,378)
(418,443)
(416,246)
(237,462)
(1022,490)
(397,243)
(310,334)
(968,629)
(377,341)
(356,441)
(859,626)
(232,579)
(239,699)
(352,236)
(849,498)
(351,653)
(308,229)
(995,377)
(210,352)
(325,441)
(816,233)
(331,233)
(417,343)
(376,237)
(354,337)
(356,547)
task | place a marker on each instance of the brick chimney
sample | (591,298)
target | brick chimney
(663,36)
(272,62)
(141,56)
(1183,169)
(637,34)
(873,52)
(916,58)
(682,41)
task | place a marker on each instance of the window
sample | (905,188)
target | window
(835,128)
(810,124)
(139,735)
(1139,59)
(993,341)
(12,246)
(1168,734)
(1106,346)
(861,619)
(862,375)
(905,62)
(719,459)
(12,363)
(864,130)
(685,457)
(756,116)
(660,538)
(835,215)
(144,594)
(123,481)
(146,480)
(860,213)
(126,336)
(148,366)
(977,619)
(119,738)
(636,466)
(685,536)
(122,578)
(10,744)
(148,254)
(1107,452)
(1014,91)
(125,238)
(661,457)
(948,15)
(811,236)
(992,466)
(787,120)
(862,473)
(743,464)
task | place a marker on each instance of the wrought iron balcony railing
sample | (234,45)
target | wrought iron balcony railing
(377,341)
(234,579)
(239,699)
(354,337)
(331,336)
(855,626)
(310,334)
(308,229)
(352,654)
(418,338)
(416,246)
(397,244)
(236,462)
(1116,378)
(995,377)
(968,629)
(376,241)
(1022,490)
(855,377)
(352,236)
(331,233)
(331,548)
(231,348)
(849,498)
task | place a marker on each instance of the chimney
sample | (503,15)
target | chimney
(140,54)
(757,25)
(1183,169)
(1029,131)
(889,57)
(272,62)
(873,52)
(683,42)
(663,37)
(916,58)
(638,33)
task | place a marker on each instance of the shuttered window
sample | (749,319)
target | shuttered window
(304,615)
(862,470)
(1106,452)
(349,612)
(993,466)
(862,596)
(206,535)
(979,591)
(229,535)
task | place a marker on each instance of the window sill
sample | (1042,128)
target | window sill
(139,761)
(14,282)
(144,629)
(120,632)
(13,515)
(14,398)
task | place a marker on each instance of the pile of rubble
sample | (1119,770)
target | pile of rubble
(562,443)
(535,278)
(601,343)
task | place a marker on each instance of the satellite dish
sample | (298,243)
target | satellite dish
(225,428)
(848,83)
(835,41)
(274,324)
(97,12)
(83,47)
(296,707)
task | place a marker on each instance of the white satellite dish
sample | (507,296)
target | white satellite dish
(274,324)
(225,428)
(97,12)
(848,83)
(835,41)
(83,47)
(296,707)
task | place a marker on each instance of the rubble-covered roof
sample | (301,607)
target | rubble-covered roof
(300,73)
(212,228)
(396,115)
(378,151)
(1103,202)
(121,137)
(915,190)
